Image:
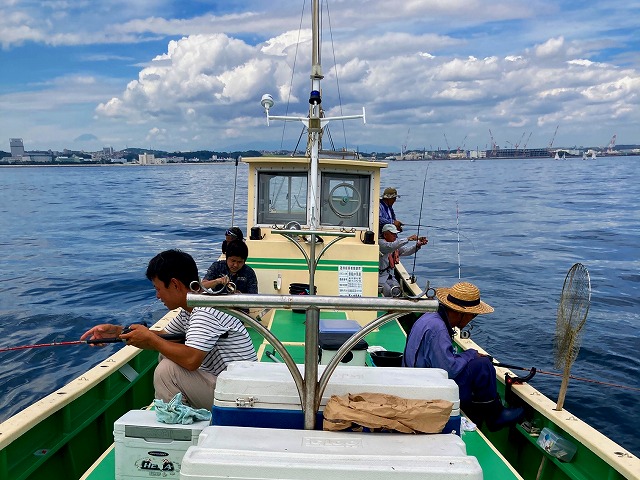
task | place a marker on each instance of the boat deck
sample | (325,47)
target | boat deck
(289,329)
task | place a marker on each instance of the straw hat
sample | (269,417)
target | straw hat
(390,192)
(463,297)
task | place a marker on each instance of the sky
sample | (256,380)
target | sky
(180,75)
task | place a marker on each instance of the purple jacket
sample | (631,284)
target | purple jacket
(429,345)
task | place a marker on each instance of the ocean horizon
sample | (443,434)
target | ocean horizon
(76,242)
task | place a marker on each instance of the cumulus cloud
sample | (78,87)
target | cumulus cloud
(207,80)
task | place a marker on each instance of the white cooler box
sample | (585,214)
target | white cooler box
(333,334)
(265,453)
(260,394)
(147,448)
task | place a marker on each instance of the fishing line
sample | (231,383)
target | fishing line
(76,342)
(573,377)
(453,230)
(458,230)
(415,254)
(293,71)
(235,181)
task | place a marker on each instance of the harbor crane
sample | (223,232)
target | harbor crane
(447,142)
(517,144)
(524,147)
(403,148)
(464,140)
(494,147)
(612,143)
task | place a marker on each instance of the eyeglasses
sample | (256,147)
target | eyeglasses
(230,233)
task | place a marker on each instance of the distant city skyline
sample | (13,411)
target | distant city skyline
(18,153)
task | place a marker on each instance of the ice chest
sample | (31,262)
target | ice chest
(265,453)
(260,394)
(147,448)
(333,334)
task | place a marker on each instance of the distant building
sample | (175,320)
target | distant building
(17,147)
(477,154)
(150,159)
(40,157)
(19,155)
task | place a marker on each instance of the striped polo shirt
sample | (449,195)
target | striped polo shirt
(205,329)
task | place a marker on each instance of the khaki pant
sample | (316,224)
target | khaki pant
(196,386)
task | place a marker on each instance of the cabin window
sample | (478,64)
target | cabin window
(345,200)
(282,197)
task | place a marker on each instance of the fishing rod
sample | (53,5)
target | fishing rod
(415,254)
(166,336)
(235,181)
(453,230)
(458,230)
(556,374)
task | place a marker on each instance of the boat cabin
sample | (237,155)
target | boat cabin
(347,221)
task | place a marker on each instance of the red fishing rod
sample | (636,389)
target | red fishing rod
(170,337)
(534,370)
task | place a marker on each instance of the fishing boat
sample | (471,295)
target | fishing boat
(313,228)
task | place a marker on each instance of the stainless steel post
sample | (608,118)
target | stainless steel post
(310,367)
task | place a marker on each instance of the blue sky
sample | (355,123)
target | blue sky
(189,75)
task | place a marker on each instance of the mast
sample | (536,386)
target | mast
(314,128)
(314,122)
(312,320)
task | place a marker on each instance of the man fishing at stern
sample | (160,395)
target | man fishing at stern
(386,213)
(213,339)
(391,249)
(429,344)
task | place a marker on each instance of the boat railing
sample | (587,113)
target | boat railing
(310,388)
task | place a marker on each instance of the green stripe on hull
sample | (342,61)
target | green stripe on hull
(300,264)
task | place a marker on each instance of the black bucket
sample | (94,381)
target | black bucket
(300,289)
(385,358)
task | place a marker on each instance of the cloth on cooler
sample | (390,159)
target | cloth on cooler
(176,412)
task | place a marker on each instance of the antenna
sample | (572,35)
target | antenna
(267,102)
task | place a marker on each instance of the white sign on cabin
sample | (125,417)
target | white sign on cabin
(350,281)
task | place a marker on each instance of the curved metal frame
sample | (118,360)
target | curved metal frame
(310,389)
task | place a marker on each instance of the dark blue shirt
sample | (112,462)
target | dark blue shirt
(245,280)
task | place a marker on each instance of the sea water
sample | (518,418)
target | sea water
(75,243)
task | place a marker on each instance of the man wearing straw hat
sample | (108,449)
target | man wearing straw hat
(387,215)
(429,344)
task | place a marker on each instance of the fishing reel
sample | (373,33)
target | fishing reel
(428,292)
(197,287)
(466,334)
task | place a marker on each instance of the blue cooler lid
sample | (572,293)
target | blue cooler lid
(339,326)
(333,341)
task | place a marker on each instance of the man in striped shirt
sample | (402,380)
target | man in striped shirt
(213,339)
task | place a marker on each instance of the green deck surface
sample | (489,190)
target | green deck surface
(289,328)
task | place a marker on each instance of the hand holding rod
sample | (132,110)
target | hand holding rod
(168,336)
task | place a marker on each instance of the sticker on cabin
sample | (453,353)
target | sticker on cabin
(350,281)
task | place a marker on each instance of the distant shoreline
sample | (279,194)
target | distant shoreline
(481,159)
(17,165)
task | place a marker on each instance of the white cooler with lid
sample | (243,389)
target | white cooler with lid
(147,448)
(265,453)
(261,394)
